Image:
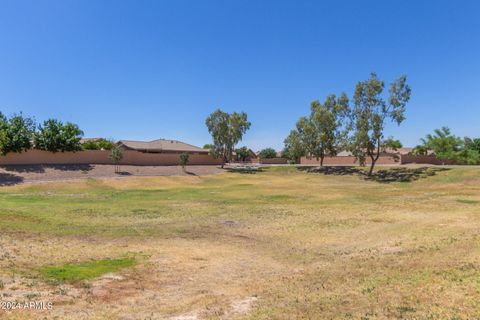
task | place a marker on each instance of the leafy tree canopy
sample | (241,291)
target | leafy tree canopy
(393,144)
(419,150)
(472,144)
(325,130)
(443,143)
(447,146)
(226,130)
(242,153)
(16,133)
(55,136)
(267,153)
(371,112)
(294,148)
(98,144)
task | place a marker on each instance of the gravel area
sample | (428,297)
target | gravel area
(11,175)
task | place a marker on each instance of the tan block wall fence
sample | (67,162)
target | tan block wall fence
(425,160)
(385,160)
(349,161)
(31,157)
(270,161)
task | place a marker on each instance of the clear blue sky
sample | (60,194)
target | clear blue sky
(151,69)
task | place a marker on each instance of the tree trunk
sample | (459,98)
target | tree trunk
(321,160)
(374,159)
(372,165)
(224,159)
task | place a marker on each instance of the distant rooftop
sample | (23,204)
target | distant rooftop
(160,145)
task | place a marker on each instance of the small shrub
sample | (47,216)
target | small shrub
(184,160)
(116,156)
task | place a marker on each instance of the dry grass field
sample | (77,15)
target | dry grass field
(278,244)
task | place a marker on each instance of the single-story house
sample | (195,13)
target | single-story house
(161,146)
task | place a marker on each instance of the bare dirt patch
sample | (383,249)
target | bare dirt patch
(307,246)
(11,175)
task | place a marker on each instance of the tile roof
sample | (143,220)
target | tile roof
(161,145)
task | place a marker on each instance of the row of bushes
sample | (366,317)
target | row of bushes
(243,153)
(98,144)
(19,133)
(447,146)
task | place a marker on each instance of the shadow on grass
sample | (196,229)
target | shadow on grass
(72,167)
(245,170)
(8,179)
(123,173)
(39,168)
(401,174)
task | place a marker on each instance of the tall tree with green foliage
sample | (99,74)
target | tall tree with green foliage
(447,146)
(56,136)
(267,153)
(443,143)
(329,122)
(472,143)
(371,112)
(307,135)
(226,130)
(294,148)
(469,156)
(324,131)
(16,133)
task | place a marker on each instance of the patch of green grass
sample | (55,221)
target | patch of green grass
(85,270)
(404,309)
(316,245)
(468,201)
(276,197)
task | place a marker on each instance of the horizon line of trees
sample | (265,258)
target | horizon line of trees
(446,146)
(20,133)
(335,125)
(357,126)
(341,124)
